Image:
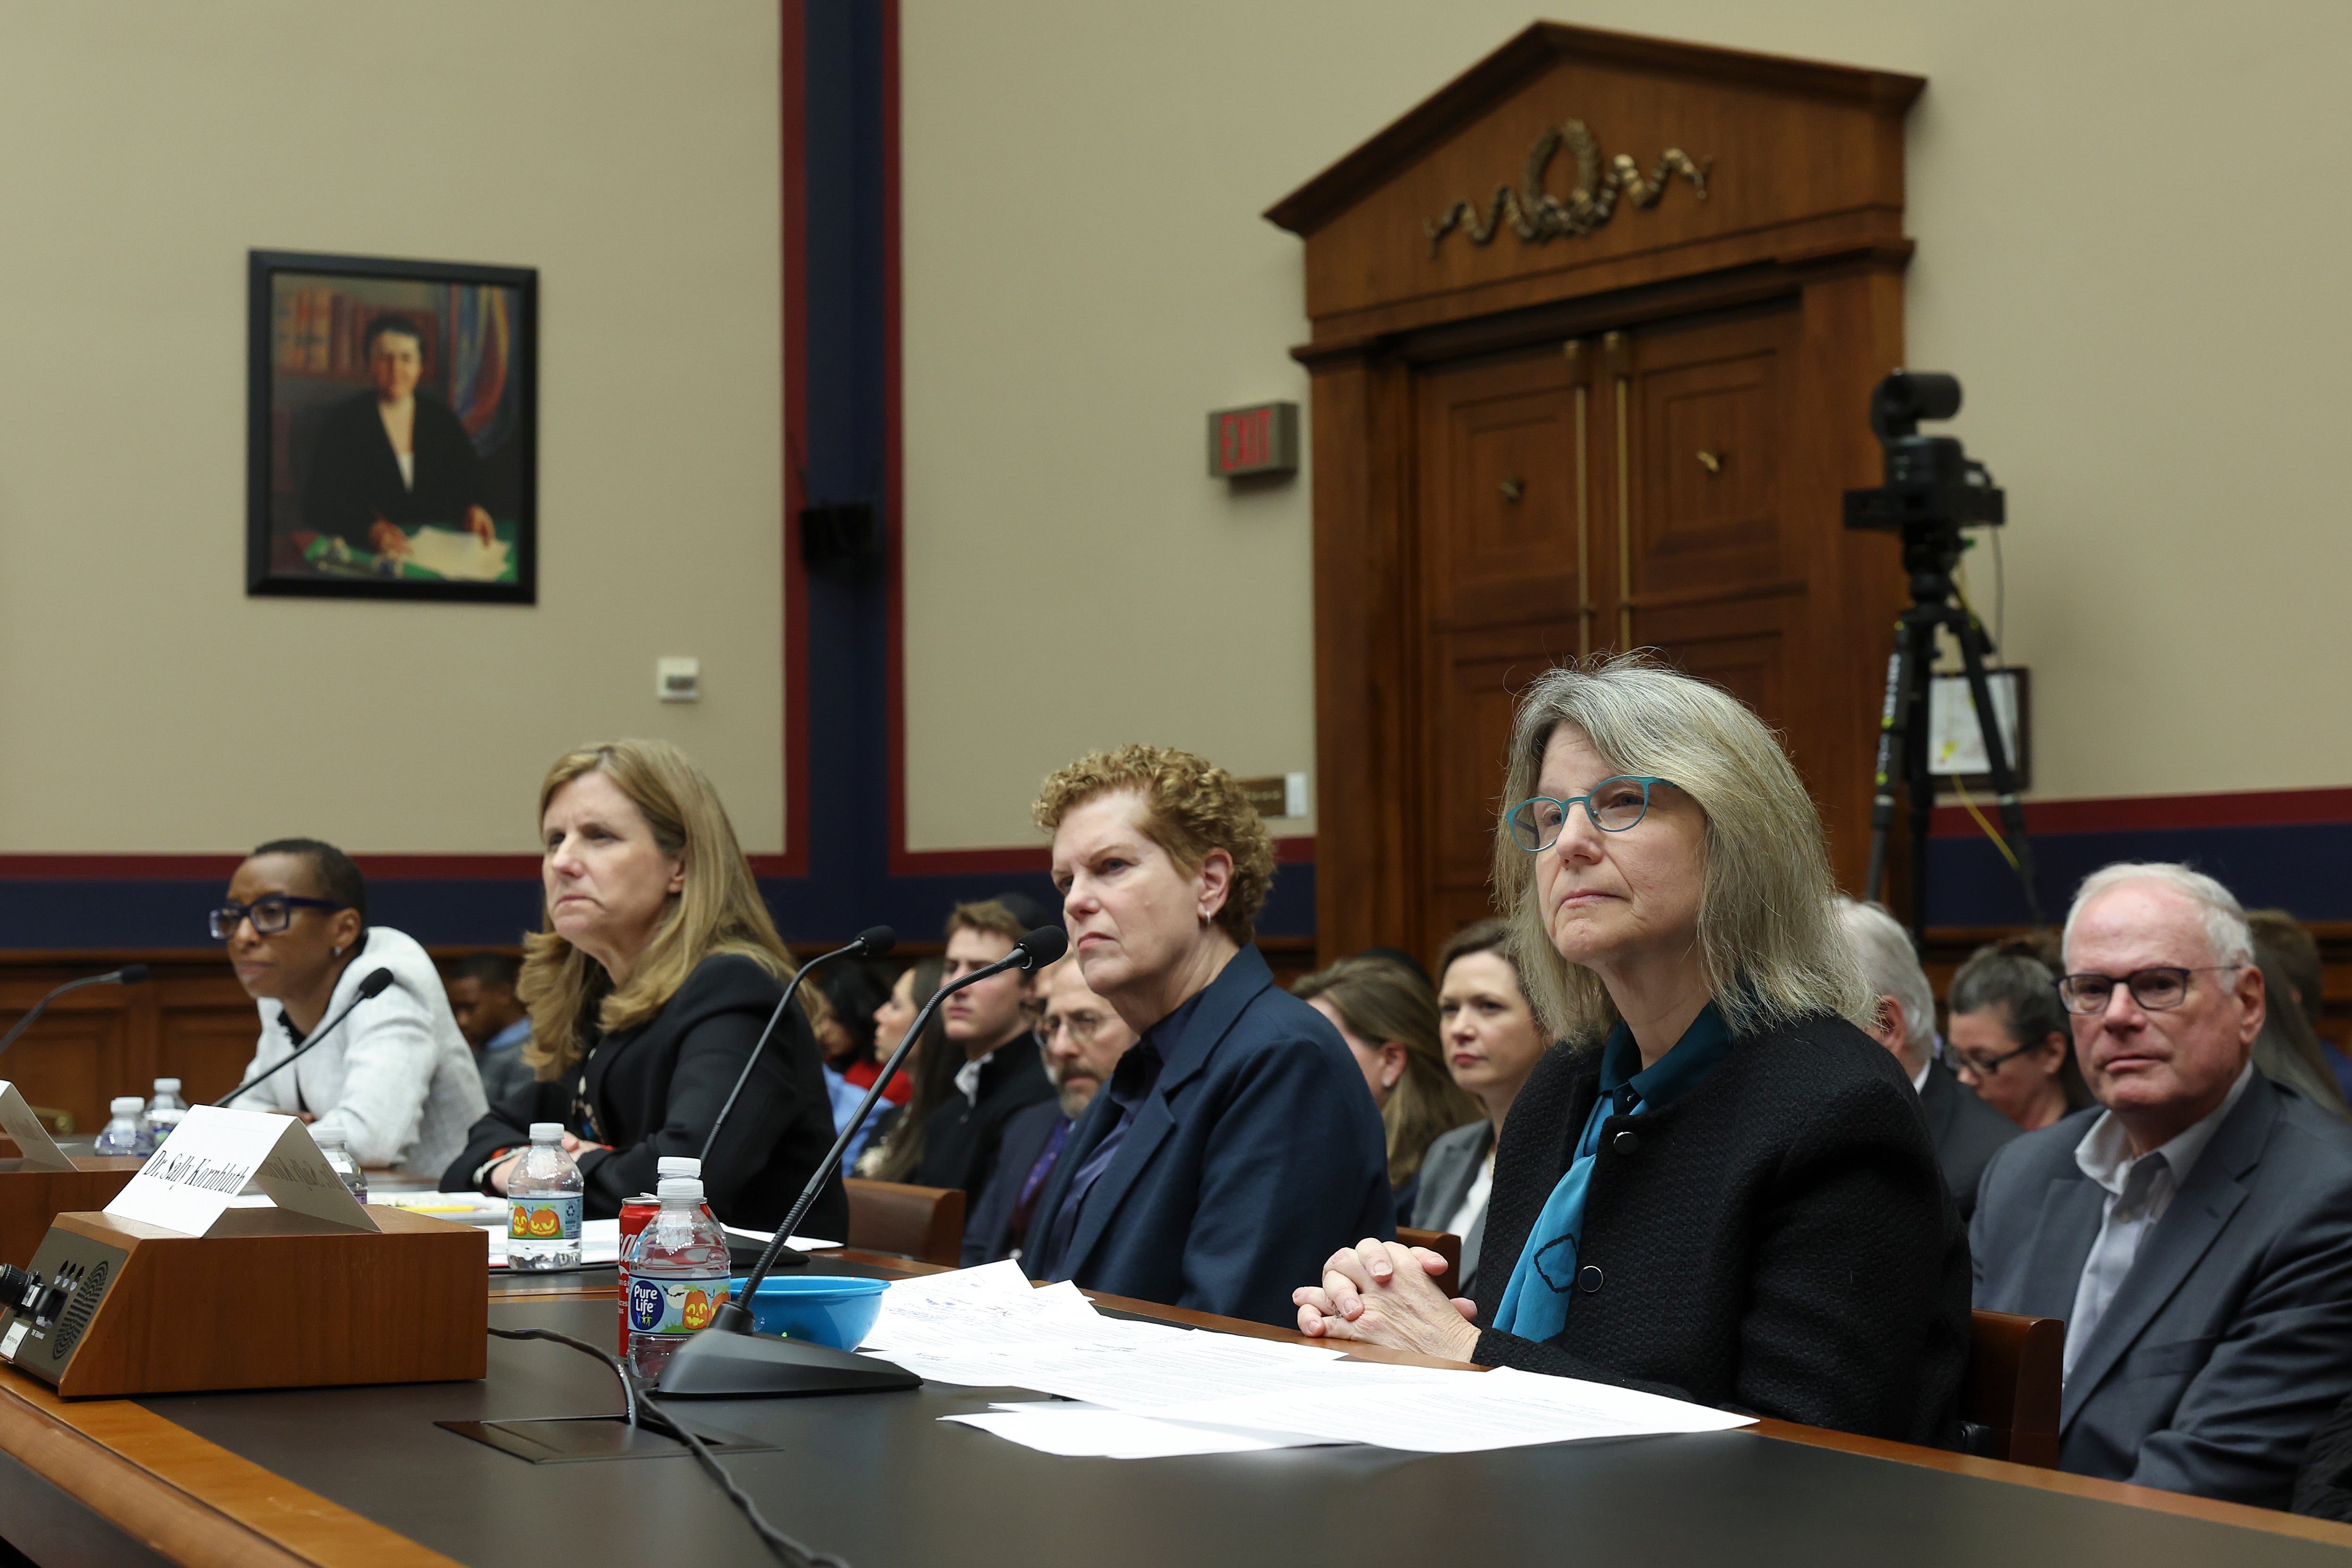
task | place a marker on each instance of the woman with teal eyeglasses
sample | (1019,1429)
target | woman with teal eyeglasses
(1717,1187)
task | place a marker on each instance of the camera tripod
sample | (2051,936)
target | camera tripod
(1932,490)
(1902,735)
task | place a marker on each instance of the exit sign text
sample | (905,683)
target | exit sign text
(1260,439)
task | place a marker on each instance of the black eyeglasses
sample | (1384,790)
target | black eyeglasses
(1959,1062)
(2159,988)
(1614,805)
(269,914)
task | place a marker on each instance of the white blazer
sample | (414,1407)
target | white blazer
(397,1079)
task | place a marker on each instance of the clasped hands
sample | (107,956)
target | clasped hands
(1379,1292)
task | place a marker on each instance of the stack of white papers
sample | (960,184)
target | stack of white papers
(1148,1390)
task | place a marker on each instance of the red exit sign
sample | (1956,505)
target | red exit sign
(1260,439)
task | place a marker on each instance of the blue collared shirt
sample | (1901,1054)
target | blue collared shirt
(514,1034)
(1535,1304)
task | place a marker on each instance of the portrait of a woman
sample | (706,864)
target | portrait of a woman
(394,459)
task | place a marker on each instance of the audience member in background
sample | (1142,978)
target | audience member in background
(1398,957)
(1234,1147)
(1388,1020)
(1965,1130)
(395,1078)
(1491,1042)
(1002,1072)
(2009,1039)
(2289,1052)
(1083,1037)
(493,1020)
(1734,1198)
(855,992)
(658,970)
(2196,1233)
(895,1145)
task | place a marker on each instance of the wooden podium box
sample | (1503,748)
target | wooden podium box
(31,1197)
(270,1300)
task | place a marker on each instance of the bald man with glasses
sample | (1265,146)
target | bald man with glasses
(2194,1227)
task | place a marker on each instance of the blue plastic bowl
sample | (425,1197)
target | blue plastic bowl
(829,1309)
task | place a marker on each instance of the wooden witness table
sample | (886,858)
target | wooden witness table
(353,1477)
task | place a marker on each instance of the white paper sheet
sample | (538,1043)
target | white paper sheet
(458,553)
(1088,1431)
(1477,1410)
(33,1142)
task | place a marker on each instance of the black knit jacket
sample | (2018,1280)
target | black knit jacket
(1777,1241)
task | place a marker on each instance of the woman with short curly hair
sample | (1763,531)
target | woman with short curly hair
(1235,1143)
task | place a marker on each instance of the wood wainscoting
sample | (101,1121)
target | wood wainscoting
(193,1021)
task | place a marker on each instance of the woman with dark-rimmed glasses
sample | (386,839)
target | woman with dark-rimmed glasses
(397,1078)
(1715,1186)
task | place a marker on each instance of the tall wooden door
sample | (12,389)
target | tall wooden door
(1612,491)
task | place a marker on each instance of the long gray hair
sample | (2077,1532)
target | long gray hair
(1768,946)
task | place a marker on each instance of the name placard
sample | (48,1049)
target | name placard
(189,1182)
(24,1129)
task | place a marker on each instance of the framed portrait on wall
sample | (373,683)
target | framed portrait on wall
(391,429)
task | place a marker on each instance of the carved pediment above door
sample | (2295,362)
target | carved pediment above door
(1594,161)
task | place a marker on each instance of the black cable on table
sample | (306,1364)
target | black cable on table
(787,1551)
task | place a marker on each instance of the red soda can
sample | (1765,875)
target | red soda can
(635,1214)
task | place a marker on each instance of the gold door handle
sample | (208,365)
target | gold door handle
(1711,461)
(1513,490)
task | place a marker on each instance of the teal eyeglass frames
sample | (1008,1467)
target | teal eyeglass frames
(1614,805)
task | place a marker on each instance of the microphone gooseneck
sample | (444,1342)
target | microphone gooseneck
(1034,952)
(871,943)
(375,986)
(129,975)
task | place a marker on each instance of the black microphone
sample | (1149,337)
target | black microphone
(872,943)
(129,975)
(375,986)
(1032,952)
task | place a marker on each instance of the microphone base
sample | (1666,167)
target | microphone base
(715,1365)
(745,1256)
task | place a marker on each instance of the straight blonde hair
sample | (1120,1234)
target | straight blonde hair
(719,910)
(1768,948)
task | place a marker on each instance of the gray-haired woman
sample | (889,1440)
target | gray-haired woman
(1717,1187)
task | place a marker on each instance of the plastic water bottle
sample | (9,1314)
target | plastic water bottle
(638,1213)
(677,1276)
(164,1111)
(338,1151)
(126,1131)
(544,1199)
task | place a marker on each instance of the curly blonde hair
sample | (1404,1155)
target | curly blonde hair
(1191,805)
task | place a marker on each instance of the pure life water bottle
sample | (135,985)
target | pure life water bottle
(543,1199)
(677,1276)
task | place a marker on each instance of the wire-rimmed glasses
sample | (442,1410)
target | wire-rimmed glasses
(1614,805)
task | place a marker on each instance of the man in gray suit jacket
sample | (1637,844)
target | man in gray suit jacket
(2196,1231)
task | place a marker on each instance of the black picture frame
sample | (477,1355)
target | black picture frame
(311,321)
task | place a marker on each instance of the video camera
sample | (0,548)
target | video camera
(1934,489)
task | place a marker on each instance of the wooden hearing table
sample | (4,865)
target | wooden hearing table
(361,1476)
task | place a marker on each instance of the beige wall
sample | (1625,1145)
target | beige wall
(2129,251)
(629,152)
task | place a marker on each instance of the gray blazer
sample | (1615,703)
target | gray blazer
(1449,1167)
(2231,1340)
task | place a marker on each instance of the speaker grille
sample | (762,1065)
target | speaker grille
(78,1311)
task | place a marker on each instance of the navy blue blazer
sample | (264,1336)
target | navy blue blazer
(1256,1157)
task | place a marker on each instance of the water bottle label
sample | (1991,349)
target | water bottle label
(544,1216)
(672,1305)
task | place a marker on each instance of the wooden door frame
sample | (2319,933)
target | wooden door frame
(1849,306)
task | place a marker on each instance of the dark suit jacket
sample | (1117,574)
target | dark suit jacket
(988,1228)
(353,477)
(1967,1131)
(960,1138)
(1256,1157)
(1448,1171)
(1778,1240)
(656,1089)
(2231,1340)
